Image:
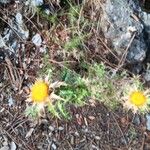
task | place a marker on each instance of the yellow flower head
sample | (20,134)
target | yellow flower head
(39,91)
(135,98)
(41,95)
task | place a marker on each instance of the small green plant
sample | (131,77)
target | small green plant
(47,68)
(102,87)
(76,24)
(132,133)
(74,43)
(59,110)
(73,15)
(32,111)
(76,91)
(52,18)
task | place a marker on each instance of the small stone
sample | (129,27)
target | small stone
(76,134)
(34,3)
(38,2)
(2,43)
(97,138)
(148,122)
(137,51)
(18,18)
(147,76)
(43,49)
(136,120)
(29,133)
(51,128)
(54,146)
(2,56)
(13,146)
(11,102)
(91,117)
(146,18)
(94,147)
(37,40)
(60,128)
(5,1)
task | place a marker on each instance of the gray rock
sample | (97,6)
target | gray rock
(34,3)
(9,41)
(146,21)
(13,146)
(2,43)
(53,146)
(136,120)
(60,128)
(18,18)
(11,102)
(5,1)
(119,25)
(136,68)
(146,18)
(38,2)
(137,51)
(147,76)
(20,27)
(148,122)
(51,128)
(37,40)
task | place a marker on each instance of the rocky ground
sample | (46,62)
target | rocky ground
(35,34)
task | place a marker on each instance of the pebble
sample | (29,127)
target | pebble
(97,138)
(60,128)
(147,75)
(2,43)
(13,146)
(148,122)
(54,146)
(5,1)
(18,18)
(11,102)
(136,120)
(37,40)
(51,128)
(34,3)
(38,2)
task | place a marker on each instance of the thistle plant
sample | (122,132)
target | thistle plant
(135,96)
(102,86)
(42,95)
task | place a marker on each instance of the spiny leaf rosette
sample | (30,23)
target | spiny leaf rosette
(136,98)
(42,93)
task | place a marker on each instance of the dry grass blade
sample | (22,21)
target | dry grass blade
(13,74)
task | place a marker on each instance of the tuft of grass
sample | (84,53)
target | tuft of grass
(47,68)
(102,86)
(52,18)
(73,43)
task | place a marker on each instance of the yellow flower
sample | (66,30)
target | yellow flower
(41,95)
(137,98)
(134,97)
(39,91)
